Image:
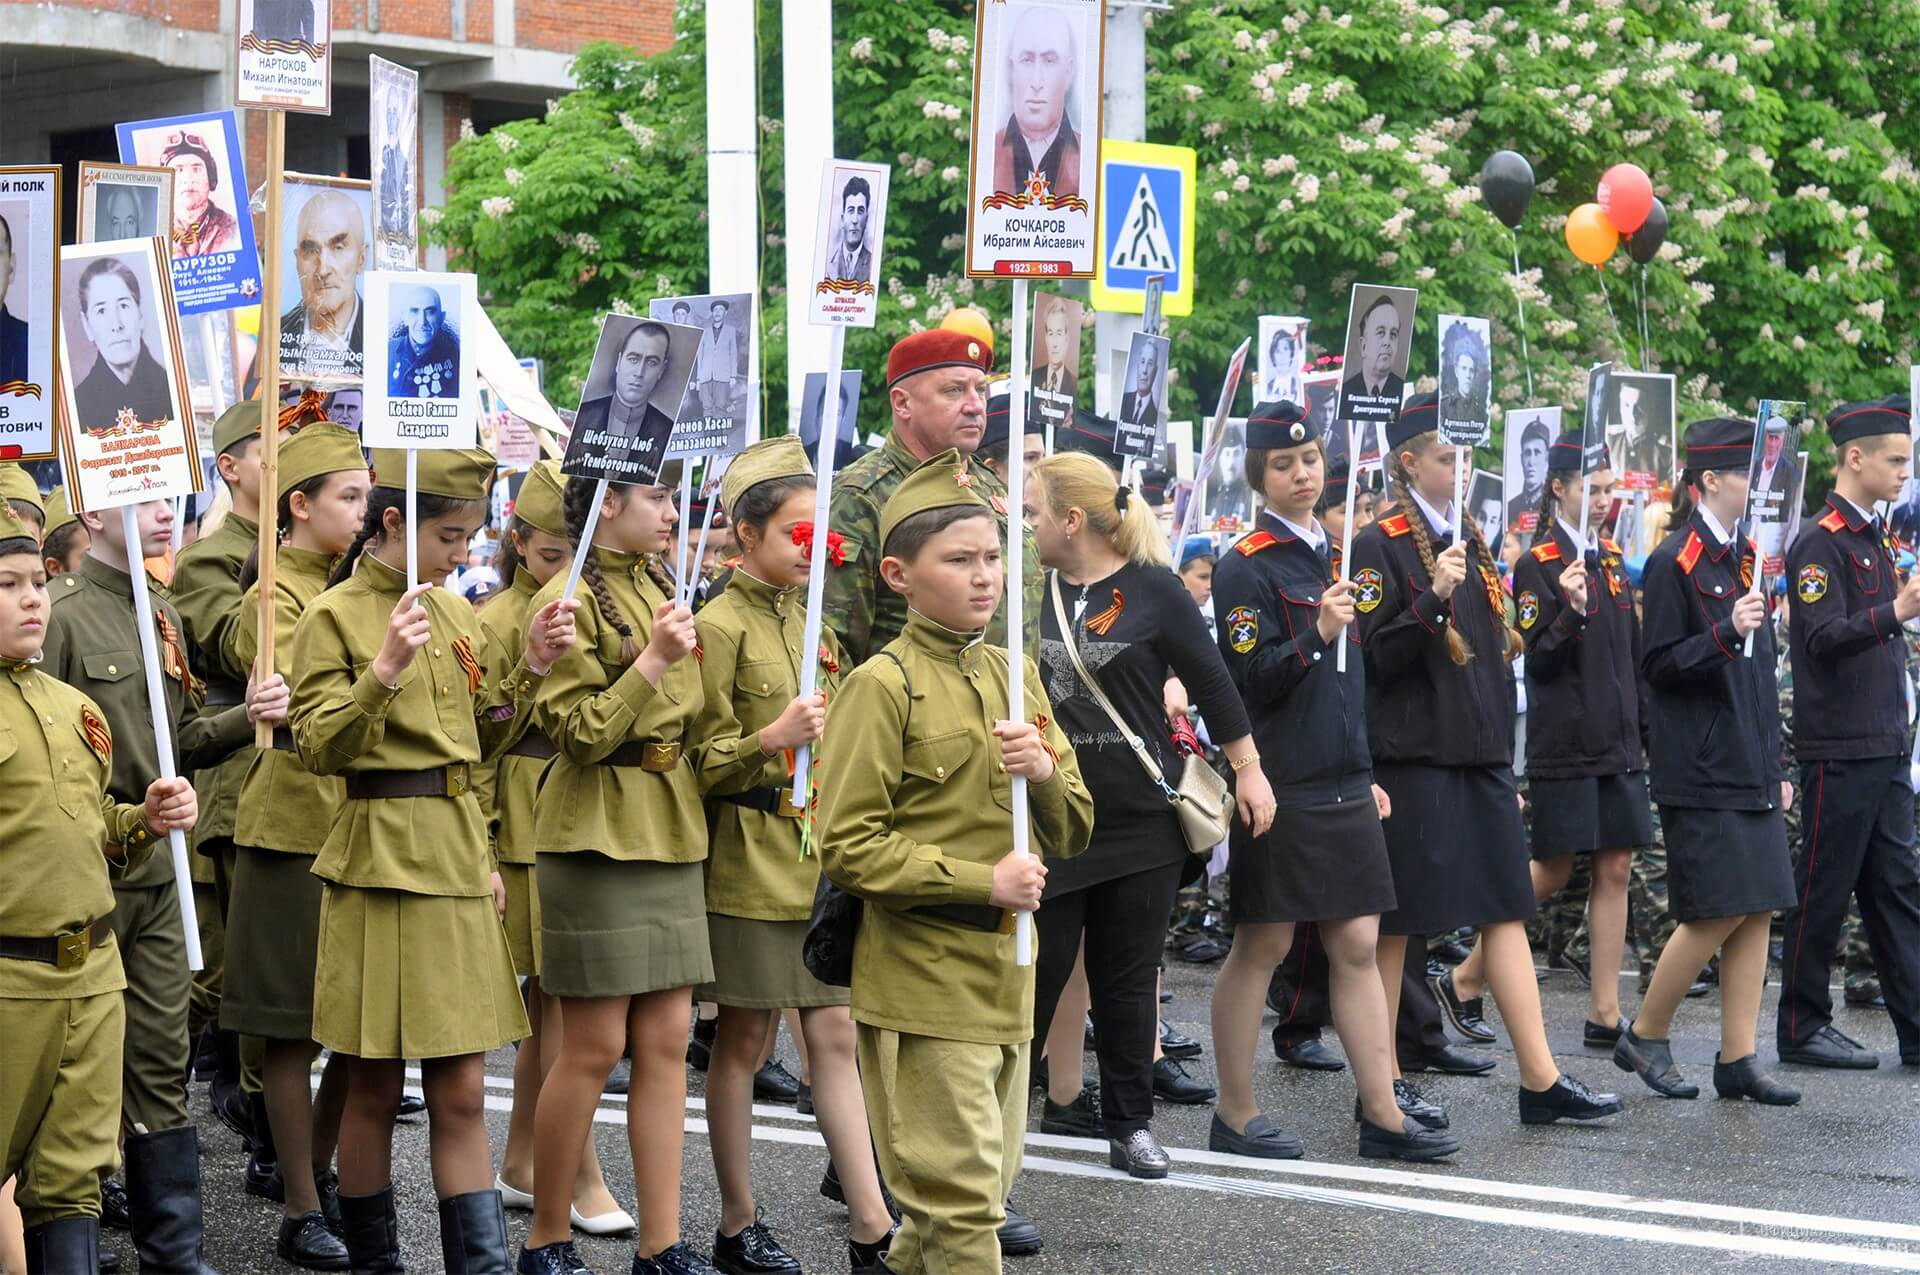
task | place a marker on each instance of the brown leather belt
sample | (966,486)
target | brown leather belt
(533,744)
(438,781)
(224,694)
(62,951)
(768,801)
(658,758)
(974,916)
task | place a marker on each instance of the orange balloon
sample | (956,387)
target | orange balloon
(970,322)
(1590,235)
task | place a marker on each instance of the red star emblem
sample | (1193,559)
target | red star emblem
(125,419)
(963,478)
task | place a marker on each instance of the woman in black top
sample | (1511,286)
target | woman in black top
(1714,726)
(1281,618)
(1440,716)
(1133,625)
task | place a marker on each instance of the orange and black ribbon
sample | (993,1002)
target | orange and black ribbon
(98,737)
(1102,623)
(463,652)
(173,659)
(307,409)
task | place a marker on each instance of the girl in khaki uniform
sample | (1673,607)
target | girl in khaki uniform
(536,548)
(760,876)
(282,820)
(412,961)
(620,835)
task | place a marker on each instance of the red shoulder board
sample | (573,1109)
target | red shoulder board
(1396,525)
(1690,552)
(1834,521)
(1610,547)
(1250,545)
(1545,551)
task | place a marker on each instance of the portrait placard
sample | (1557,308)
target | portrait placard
(122,201)
(814,387)
(628,403)
(1531,434)
(1905,520)
(1487,502)
(421,387)
(1593,419)
(1379,339)
(846,244)
(126,419)
(1033,172)
(29,306)
(1226,502)
(1141,418)
(285,55)
(717,402)
(1282,359)
(1321,393)
(323,248)
(1466,380)
(1774,476)
(1640,429)
(1056,357)
(215,264)
(393,113)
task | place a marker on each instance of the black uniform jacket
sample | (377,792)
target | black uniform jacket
(1849,655)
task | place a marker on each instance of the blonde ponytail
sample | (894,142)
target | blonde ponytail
(1075,480)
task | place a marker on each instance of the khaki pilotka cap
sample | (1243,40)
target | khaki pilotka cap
(59,511)
(541,503)
(466,474)
(764,462)
(17,484)
(236,425)
(319,448)
(941,483)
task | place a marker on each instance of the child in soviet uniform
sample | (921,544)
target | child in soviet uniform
(915,799)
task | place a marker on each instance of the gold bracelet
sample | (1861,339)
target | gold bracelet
(1244,762)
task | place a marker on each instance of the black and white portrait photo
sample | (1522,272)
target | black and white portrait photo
(29,302)
(284,52)
(813,402)
(717,401)
(1143,397)
(631,398)
(1226,501)
(421,387)
(1282,358)
(393,110)
(1773,477)
(1639,429)
(323,249)
(1379,335)
(1531,432)
(121,344)
(1487,502)
(1056,356)
(1466,379)
(122,201)
(849,231)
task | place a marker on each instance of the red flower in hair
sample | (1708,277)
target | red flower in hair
(836,543)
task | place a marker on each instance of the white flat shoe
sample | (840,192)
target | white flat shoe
(512,1197)
(614,1223)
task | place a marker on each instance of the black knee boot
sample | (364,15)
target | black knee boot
(372,1232)
(68,1244)
(163,1201)
(473,1234)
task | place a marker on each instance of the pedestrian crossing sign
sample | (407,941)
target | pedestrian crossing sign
(1147,226)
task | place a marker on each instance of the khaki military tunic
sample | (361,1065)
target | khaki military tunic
(206,592)
(859,607)
(507,787)
(60,1028)
(412,960)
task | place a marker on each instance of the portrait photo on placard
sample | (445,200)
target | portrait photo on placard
(1379,338)
(421,387)
(283,55)
(631,398)
(1226,502)
(29,302)
(846,252)
(1531,434)
(1282,359)
(123,201)
(1773,475)
(813,400)
(1487,502)
(210,232)
(717,400)
(1143,396)
(323,240)
(1056,356)
(1639,428)
(1466,379)
(393,113)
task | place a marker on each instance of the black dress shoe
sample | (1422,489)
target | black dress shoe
(1166,997)
(753,1251)
(1411,1141)
(1436,967)
(1199,949)
(326,1184)
(1019,1237)
(1414,1104)
(262,1178)
(1310,1054)
(559,1258)
(1140,1154)
(1831,1047)
(1176,1044)
(1451,952)
(1743,1078)
(830,1189)
(803,1101)
(232,1108)
(678,1260)
(1171,1083)
(1601,1036)
(774,1083)
(1567,1099)
(700,1045)
(206,1054)
(306,1242)
(1262,1139)
(1466,1016)
(619,1078)
(1077,1119)
(1653,1060)
(410,1105)
(113,1204)
(1564,961)
(870,1259)
(109,1262)
(1448,1061)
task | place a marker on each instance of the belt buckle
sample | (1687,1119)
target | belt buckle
(659,757)
(459,779)
(785,808)
(70,950)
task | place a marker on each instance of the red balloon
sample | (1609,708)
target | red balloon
(1625,196)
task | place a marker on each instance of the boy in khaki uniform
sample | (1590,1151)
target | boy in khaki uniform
(62,1017)
(915,784)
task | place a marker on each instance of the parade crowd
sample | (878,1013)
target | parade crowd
(564,819)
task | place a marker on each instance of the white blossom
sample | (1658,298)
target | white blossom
(642,136)
(432,216)
(514,176)
(505,141)
(1242,183)
(1220,196)
(497,207)
(1299,95)
(951,173)
(862,49)
(1243,40)
(1229,167)
(1307,187)
(937,110)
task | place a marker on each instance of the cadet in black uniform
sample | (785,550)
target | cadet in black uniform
(1851,739)
(1432,618)
(1713,727)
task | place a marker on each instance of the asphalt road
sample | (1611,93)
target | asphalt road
(1666,1187)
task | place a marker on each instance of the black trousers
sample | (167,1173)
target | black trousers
(1301,997)
(1856,839)
(1125,923)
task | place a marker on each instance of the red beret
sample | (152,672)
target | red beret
(936,347)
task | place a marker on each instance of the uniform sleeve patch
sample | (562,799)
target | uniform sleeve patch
(1812,582)
(1243,629)
(1529,608)
(1369,586)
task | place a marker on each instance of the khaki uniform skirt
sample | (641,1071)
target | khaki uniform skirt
(523,917)
(273,943)
(621,927)
(403,975)
(757,965)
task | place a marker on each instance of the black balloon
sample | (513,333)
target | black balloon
(1506,183)
(1643,243)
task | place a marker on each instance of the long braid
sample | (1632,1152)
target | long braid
(1457,649)
(576,504)
(1489,570)
(1549,510)
(370,526)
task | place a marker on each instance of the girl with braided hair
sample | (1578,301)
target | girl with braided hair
(620,837)
(1432,618)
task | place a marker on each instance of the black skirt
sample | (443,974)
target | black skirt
(1723,863)
(1594,812)
(1458,848)
(1317,863)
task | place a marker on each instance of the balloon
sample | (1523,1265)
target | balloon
(1644,244)
(1625,196)
(969,321)
(1590,235)
(1506,183)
